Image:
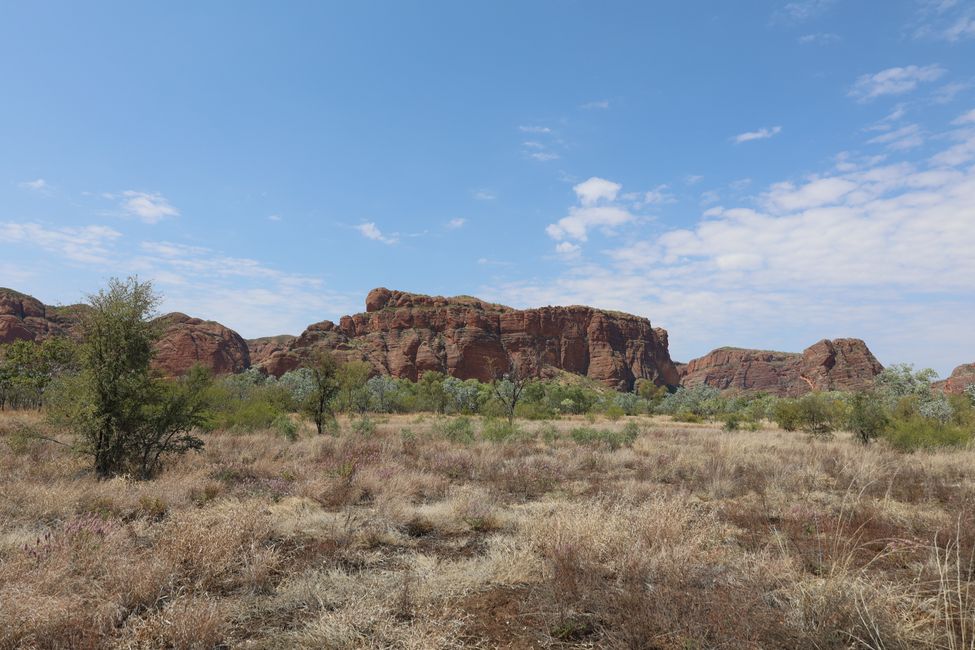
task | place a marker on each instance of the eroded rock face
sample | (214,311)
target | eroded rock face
(840,364)
(404,334)
(261,349)
(187,341)
(23,317)
(961,377)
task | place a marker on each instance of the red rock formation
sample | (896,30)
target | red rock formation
(841,364)
(187,341)
(261,349)
(23,317)
(405,334)
(961,377)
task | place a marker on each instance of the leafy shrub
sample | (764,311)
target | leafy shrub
(701,400)
(455,429)
(923,433)
(868,418)
(613,439)
(364,426)
(615,412)
(285,427)
(500,430)
(787,414)
(816,414)
(687,416)
(732,422)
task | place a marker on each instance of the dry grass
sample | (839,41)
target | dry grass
(690,538)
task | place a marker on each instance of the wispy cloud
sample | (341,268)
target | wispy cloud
(903,138)
(484,195)
(800,11)
(894,81)
(454,224)
(761,134)
(35,185)
(543,156)
(274,217)
(87,244)
(534,129)
(369,230)
(819,38)
(597,105)
(148,207)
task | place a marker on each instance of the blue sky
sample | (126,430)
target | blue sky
(759,174)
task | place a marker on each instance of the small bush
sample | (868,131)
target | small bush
(500,431)
(687,416)
(364,426)
(458,429)
(549,433)
(923,433)
(732,422)
(787,414)
(285,427)
(613,439)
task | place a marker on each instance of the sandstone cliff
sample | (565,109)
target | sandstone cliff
(840,364)
(404,334)
(961,377)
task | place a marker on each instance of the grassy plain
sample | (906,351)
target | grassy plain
(416,535)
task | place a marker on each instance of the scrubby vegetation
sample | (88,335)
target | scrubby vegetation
(326,508)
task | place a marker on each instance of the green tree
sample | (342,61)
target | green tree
(868,418)
(129,420)
(353,393)
(431,393)
(320,403)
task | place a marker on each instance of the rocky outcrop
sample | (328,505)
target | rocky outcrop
(262,348)
(961,377)
(840,364)
(184,341)
(187,341)
(23,317)
(405,334)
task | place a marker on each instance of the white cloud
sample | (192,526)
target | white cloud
(87,244)
(967,118)
(657,196)
(582,219)
(819,38)
(534,129)
(894,81)
(800,10)
(882,251)
(454,224)
(596,189)
(369,230)
(693,179)
(602,105)
(484,195)
(761,134)
(543,156)
(906,137)
(567,249)
(35,185)
(964,27)
(148,207)
(274,217)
